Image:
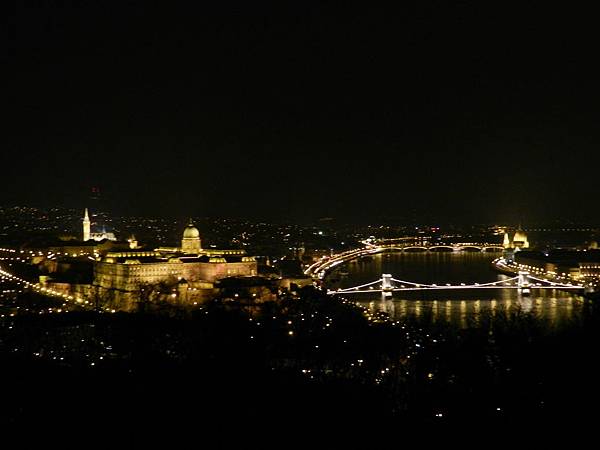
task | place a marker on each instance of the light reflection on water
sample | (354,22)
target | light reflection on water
(462,308)
(464,313)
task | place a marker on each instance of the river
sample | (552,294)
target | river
(461,308)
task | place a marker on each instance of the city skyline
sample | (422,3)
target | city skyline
(292,113)
(223,219)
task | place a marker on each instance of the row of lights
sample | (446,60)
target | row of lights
(326,263)
(501,262)
(46,291)
(48,253)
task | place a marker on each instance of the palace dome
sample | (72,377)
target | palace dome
(191,232)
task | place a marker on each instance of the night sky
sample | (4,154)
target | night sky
(445,113)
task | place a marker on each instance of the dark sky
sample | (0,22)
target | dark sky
(445,112)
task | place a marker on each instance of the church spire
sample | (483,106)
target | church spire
(506,242)
(86,226)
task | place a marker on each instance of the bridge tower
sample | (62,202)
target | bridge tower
(523,282)
(386,282)
(386,285)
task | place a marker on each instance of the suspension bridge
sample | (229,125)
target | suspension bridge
(523,282)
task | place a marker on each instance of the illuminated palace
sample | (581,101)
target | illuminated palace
(191,267)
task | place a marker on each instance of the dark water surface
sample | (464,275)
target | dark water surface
(462,308)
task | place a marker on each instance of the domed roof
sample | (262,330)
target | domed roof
(191,232)
(520,236)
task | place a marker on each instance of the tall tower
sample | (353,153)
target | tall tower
(86,226)
(506,242)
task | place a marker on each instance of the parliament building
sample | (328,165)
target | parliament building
(514,244)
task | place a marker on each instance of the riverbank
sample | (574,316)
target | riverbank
(500,266)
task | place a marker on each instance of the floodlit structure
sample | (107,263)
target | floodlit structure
(95,236)
(517,242)
(130,270)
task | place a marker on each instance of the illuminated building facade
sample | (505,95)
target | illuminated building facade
(95,236)
(128,271)
(512,245)
(518,241)
(190,243)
